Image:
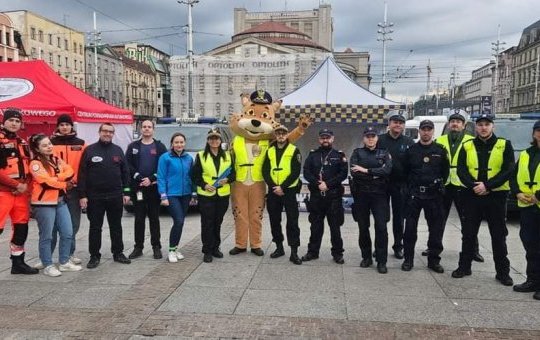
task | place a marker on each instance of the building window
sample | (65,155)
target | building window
(80,49)
(75,64)
(40,35)
(51,59)
(74,47)
(58,42)
(66,47)
(59,60)
(50,39)
(33,53)
(32,33)
(67,63)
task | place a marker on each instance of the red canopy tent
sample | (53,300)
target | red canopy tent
(43,95)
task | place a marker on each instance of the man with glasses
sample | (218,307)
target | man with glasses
(281,172)
(325,169)
(104,188)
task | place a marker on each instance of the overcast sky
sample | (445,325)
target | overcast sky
(447,33)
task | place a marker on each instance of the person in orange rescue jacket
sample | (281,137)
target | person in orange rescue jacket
(14,187)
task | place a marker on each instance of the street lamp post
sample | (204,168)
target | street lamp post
(190,4)
(384,31)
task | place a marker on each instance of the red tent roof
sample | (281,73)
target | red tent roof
(43,95)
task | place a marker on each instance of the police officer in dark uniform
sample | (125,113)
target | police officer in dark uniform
(485,165)
(370,169)
(396,143)
(281,172)
(452,142)
(525,183)
(427,167)
(325,169)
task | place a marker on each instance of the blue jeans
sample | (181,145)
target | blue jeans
(47,217)
(178,207)
(72,198)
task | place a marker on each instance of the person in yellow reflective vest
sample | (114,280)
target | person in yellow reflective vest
(281,172)
(525,183)
(485,165)
(212,173)
(452,143)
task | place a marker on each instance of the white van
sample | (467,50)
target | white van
(411,126)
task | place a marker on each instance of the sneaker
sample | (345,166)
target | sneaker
(172,257)
(52,271)
(38,266)
(179,255)
(69,267)
(75,260)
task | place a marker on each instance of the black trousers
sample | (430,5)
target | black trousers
(275,205)
(97,208)
(397,196)
(530,236)
(433,212)
(332,209)
(148,206)
(376,204)
(453,195)
(212,210)
(493,207)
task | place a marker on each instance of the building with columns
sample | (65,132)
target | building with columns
(8,48)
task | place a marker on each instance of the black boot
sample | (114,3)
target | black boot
(279,251)
(19,267)
(294,256)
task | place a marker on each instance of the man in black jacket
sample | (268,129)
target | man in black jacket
(427,167)
(485,165)
(142,157)
(397,144)
(104,188)
(325,169)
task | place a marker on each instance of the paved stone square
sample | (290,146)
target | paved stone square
(246,296)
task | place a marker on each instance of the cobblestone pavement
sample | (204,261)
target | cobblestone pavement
(246,296)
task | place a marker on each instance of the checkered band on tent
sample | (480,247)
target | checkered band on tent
(337,113)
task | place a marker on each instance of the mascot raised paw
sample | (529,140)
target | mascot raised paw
(253,129)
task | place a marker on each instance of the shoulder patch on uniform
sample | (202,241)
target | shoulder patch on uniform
(35,167)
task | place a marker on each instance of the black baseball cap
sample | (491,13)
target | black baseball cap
(396,116)
(485,116)
(370,131)
(426,123)
(326,132)
(536,125)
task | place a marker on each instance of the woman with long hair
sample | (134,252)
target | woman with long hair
(212,174)
(175,188)
(51,178)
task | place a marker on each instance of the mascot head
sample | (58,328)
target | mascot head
(257,119)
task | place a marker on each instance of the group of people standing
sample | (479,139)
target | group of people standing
(60,175)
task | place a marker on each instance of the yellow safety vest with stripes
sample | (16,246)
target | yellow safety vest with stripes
(241,160)
(210,174)
(495,161)
(527,184)
(444,141)
(279,172)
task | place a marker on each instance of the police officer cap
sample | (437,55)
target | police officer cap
(395,115)
(11,112)
(213,133)
(325,132)
(485,116)
(457,115)
(536,125)
(281,128)
(261,97)
(370,131)
(426,123)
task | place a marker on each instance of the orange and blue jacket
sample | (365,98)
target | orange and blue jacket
(69,148)
(14,159)
(49,184)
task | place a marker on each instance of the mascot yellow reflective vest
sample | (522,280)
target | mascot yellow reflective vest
(253,128)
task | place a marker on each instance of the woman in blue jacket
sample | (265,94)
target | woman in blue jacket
(174,186)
